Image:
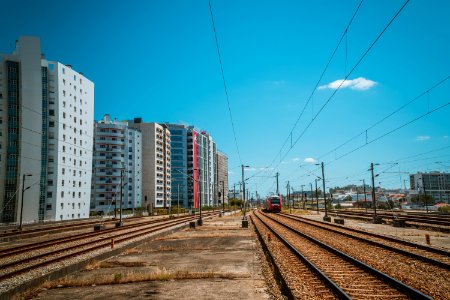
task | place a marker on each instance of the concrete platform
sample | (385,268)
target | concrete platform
(215,261)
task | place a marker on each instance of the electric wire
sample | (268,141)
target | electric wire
(224,82)
(346,77)
(387,116)
(318,81)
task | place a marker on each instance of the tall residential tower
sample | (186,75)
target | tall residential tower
(46,122)
(117,161)
(156,163)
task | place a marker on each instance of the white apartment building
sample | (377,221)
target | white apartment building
(117,153)
(156,163)
(46,113)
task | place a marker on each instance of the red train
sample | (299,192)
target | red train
(273,204)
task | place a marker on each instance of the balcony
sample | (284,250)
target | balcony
(109,149)
(109,133)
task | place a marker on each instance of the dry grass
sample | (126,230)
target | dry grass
(120,278)
(132,251)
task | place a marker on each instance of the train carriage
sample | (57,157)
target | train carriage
(273,204)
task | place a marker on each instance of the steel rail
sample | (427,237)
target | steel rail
(378,244)
(325,279)
(413,293)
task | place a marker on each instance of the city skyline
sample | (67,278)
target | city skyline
(273,55)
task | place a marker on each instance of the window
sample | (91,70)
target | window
(64,115)
(62,196)
(62,182)
(63,171)
(49,194)
(51,112)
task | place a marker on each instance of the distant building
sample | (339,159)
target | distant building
(434,184)
(222,176)
(46,131)
(193,166)
(117,153)
(181,156)
(156,163)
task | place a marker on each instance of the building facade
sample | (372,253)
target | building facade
(222,176)
(116,167)
(156,163)
(46,134)
(179,167)
(435,184)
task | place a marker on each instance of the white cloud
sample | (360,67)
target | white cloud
(265,169)
(250,169)
(296,159)
(423,137)
(445,137)
(359,84)
(230,172)
(310,160)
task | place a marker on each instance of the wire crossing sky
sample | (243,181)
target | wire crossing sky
(245,70)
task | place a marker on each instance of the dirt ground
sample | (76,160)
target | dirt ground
(215,261)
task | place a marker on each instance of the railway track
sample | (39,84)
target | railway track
(29,261)
(434,256)
(60,226)
(441,220)
(325,268)
(423,268)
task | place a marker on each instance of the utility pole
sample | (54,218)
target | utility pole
(223,196)
(312,195)
(21,203)
(365,195)
(326,218)
(276,175)
(178,202)
(243,191)
(303,199)
(374,202)
(425,194)
(317,197)
(121,191)
(200,220)
(357,194)
(234,196)
(287,196)
(240,190)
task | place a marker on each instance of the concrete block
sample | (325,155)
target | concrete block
(339,221)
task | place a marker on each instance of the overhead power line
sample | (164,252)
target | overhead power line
(344,34)
(391,131)
(346,77)
(224,82)
(386,117)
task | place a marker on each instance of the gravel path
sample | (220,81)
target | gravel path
(429,279)
(303,283)
(356,282)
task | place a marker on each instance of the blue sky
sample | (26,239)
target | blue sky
(157,60)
